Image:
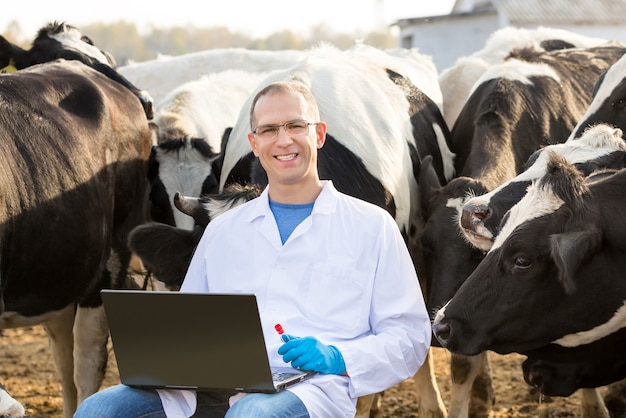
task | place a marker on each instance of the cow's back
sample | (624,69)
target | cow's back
(73,182)
(368,115)
(162,75)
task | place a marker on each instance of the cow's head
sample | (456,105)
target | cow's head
(601,146)
(166,250)
(535,286)
(58,40)
(442,240)
(560,371)
(186,166)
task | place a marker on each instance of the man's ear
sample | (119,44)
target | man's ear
(252,142)
(320,132)
(570,250)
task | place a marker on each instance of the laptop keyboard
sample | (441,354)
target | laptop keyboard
(280,376)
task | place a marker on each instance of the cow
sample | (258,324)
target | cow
(76,146)
(553,265)
(457,80)
(165,73)
(190,124)
(481,215)
(380,123)
(531,100)
(559,371)
(60,40)
(608,102)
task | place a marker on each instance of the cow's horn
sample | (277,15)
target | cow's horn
(185,204)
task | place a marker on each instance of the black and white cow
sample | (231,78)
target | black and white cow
(556,370)
(457,81)
(190,124)
(381,116)
(162,75)
(531,100)
(559,368)
(609,102)
(60,40)
(380,121)
(552,274)
(73,185)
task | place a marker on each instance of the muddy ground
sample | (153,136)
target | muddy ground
(28,372)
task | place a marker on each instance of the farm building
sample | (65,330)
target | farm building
(470,22)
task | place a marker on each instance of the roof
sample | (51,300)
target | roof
(539,12)
(562,11)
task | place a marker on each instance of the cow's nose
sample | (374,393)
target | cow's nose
(535,380)
(441,330)
(473,214)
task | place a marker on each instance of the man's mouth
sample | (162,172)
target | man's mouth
(286,157)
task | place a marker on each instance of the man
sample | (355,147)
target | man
(332,269)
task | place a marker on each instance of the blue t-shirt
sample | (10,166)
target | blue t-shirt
(289,216)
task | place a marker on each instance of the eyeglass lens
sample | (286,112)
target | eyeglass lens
(294,127)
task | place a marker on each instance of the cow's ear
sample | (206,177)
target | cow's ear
(11,55)
(570,250)
(154,132)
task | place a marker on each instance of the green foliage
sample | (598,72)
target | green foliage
(127,43)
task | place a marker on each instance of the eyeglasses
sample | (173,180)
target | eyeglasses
(293,127)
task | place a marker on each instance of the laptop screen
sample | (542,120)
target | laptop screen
(188,340)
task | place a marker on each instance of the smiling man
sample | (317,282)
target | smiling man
(333,269)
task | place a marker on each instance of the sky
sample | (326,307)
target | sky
(251,17)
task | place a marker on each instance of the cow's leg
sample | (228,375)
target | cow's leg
(9,407)
(364,405)
(376,409)
(465,371)
(59,330)
(592,405)
(482,398)
(430,403)
(615,398)
(91,334)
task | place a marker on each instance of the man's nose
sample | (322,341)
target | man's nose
(283,135)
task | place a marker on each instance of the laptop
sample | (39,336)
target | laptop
(196,341)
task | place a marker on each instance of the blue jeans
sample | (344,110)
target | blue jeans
(122,401)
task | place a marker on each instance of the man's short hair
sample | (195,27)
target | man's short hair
(287,87)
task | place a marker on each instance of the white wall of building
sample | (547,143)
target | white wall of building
(446,39)
(450,37)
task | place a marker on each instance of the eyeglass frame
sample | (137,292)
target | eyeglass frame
(284,126)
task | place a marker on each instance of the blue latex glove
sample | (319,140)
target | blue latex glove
(307,353)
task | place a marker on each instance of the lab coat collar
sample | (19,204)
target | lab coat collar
(324,204)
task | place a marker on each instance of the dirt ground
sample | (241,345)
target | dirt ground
(28,372)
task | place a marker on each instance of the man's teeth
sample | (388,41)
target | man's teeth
(286,157)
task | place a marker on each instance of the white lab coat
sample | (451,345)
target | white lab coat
(344,276)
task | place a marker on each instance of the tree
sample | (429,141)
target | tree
(13,33)
(125,43)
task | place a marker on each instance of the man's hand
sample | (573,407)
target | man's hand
(308,353)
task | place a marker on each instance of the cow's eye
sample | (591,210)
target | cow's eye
(521,262)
